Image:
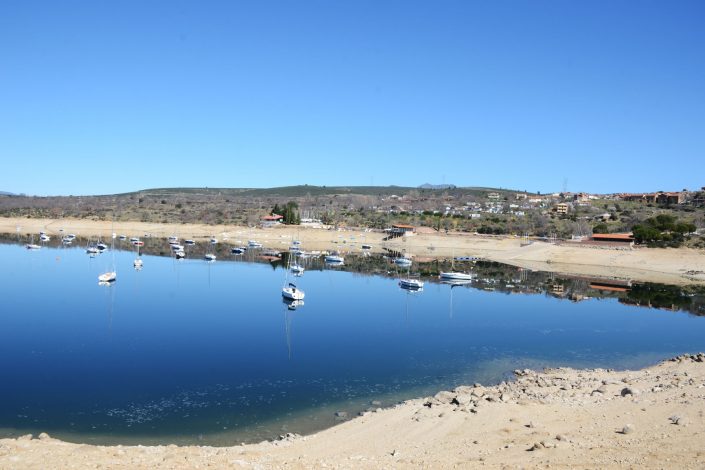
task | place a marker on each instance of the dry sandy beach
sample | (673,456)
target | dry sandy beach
(558,418)
(671,266)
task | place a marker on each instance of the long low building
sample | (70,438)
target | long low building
(626,238)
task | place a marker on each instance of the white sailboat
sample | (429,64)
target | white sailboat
(454,275)
(411,282)
(137,263)
(403,261)
(290,291)
(109,276)
(334,259)
(31,245)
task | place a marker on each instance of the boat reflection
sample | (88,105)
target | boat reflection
(452,285)
(292,304)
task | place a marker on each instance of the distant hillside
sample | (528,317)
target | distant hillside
(437,186)
(5,193)
(283,191)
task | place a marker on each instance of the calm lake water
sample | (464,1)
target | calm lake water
(195,352)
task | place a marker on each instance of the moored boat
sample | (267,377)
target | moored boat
(291,292)
(455,276)
(109,276)
(410,283)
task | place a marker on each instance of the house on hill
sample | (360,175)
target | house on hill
(269,221)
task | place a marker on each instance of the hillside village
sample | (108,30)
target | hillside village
(564,215)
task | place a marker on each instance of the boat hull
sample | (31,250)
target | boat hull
(451,276)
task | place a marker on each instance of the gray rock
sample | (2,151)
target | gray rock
(627,391)
(44,436)
(444,397)
(678,420)
(628,429)
(463,400)
(341,414)
(376,403)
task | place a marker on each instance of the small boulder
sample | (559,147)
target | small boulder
(627,429)
(678,420)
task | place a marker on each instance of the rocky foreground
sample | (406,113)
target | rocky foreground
(558,418)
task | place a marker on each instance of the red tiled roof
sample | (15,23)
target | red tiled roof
(613,236)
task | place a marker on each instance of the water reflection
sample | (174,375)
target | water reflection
(186,347)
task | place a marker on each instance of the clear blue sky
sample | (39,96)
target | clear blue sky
(101,97)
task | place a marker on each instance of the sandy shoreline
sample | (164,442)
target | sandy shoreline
(650,418)
(670,266)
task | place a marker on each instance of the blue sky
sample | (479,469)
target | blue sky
(100,97)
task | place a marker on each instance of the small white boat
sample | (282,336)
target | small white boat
(366,247)
(92,250)
(173,239)
(71,236)
(402,261)
(334,259)
(296,242)
(189,242)
(409,288)
(177,247)
(31,245)
(109,276)
(291,292)
(137,263)
(455,276)
(123,237)
(210,257)
(134,239)
(214,241)
(410,283)
(66,240)
(101,246)
(44,237)
(180,254)
(238,250)
(254,244)
(138,243)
